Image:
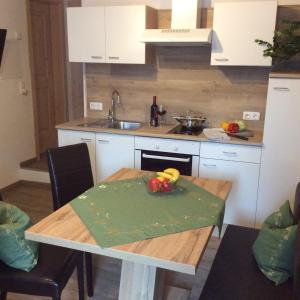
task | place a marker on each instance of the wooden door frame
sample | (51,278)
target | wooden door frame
(61,6)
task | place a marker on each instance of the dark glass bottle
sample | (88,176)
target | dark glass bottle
(154,113)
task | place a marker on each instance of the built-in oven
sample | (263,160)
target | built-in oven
(155,154)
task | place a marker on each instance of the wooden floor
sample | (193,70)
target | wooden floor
(35,199)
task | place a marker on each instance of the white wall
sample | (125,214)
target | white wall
(164,4)
(159,4)
(16,113)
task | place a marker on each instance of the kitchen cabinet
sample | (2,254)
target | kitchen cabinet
(240,165)
(122,37)
(236,25)
(71,137)
(110,34)
(86,34)
(113,152)
(280,163)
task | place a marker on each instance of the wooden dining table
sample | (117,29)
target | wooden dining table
(143,261)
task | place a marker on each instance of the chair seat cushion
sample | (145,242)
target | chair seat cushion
(234,274)
(54,268)
(15,251)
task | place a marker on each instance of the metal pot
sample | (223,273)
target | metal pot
(190,121)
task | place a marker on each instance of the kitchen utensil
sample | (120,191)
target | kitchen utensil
(238,136)
(245,133)
(191,120)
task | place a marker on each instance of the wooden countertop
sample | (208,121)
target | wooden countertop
(158,132)
(286,74)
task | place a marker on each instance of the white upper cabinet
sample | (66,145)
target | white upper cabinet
(86,34)
(236,26)
(124,27)
(110,34)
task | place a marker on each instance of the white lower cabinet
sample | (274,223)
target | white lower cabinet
(244,175)
(71,137)
(113,152)
(236,163)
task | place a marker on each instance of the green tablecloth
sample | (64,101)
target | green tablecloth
(124,211)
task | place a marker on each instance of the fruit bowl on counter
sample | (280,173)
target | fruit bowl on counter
(163,182)
(234,126)
(237,129)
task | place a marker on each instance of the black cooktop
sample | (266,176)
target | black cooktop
(186,131)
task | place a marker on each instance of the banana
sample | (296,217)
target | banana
(173,172)
(164,175)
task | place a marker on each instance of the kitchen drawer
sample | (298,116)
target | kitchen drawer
(231,152)
(167,145)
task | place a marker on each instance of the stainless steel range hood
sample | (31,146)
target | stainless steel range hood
(184,31)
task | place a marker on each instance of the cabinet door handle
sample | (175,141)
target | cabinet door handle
(86,140)
(209,166)
(114,57)
(221,59)
(230,153)
(96,57)
(281,89)
(103,141)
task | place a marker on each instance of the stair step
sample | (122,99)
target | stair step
(34,175)
(35,164)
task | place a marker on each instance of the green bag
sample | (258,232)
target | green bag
(15,251)
(274,246)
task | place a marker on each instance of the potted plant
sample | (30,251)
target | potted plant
(286,43)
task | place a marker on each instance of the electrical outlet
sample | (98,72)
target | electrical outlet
(251,116)
(96,106)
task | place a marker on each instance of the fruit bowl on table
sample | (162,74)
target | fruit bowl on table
(156,187)
(163,183)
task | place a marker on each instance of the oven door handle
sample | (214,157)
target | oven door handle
(186,160)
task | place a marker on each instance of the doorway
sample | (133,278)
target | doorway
(48,68)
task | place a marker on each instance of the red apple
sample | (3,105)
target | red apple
(154,185)
(166,186)
(233,128)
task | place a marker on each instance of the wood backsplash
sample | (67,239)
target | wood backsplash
(182,79)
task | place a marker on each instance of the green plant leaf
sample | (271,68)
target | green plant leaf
(286,43)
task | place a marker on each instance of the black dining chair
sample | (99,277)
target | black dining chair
(70,176)
(234,274)
(48,278)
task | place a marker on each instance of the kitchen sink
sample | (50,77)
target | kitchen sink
(125,125)
(117,124)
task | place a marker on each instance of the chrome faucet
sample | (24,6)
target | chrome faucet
(115,100)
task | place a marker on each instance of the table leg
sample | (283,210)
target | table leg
(138,282)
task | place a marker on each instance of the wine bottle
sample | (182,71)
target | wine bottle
(154,113)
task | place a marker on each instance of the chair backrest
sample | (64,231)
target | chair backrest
(297,204)
(296,279)
(70,173)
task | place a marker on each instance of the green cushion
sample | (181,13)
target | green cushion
(274,246)
(15,251)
